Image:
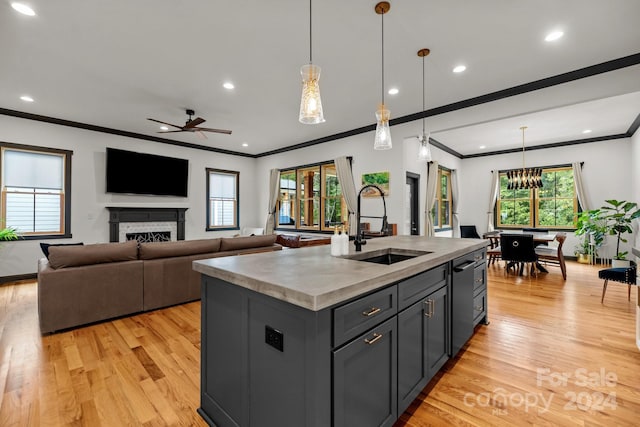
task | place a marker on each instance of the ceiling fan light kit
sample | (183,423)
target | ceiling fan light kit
(191,125)
(525,178)
(382,140)
(310,102)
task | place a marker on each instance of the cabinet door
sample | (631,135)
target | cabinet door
(365,379)
(436,313)
(422,345)
(412,353)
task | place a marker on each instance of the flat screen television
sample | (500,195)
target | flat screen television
(139,173)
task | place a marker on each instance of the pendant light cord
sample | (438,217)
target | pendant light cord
(523,128)
(310,35)
(382,44)
(423,135)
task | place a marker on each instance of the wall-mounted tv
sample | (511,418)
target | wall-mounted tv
(139,173)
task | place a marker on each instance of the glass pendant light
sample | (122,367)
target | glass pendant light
(424,153)
(382,139)
(310,102)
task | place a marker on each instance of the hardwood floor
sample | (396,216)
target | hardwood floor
(552,355)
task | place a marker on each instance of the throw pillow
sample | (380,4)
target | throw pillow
(45,246)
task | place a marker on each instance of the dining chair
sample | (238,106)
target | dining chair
(469,232)
(517,251)
(494,252)
(554,255)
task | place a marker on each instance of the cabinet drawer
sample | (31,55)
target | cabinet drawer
(354,318)
(479,277)
(417,287)
(480,255)
(479,307)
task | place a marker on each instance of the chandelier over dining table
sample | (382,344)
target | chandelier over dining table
(525,178)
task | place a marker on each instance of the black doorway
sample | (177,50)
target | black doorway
(413,202)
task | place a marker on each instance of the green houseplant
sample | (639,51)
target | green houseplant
(590,227)
(9,233)
(618,216)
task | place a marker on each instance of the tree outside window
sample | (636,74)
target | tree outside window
(311,198)
(552,206)
(441,212)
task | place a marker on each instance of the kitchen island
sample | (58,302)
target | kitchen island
(299,337)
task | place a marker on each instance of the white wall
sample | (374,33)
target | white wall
(635,180)
(89,218)
(607,174)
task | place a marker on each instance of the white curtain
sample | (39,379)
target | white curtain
(454,203)
(493,196)
(579,184)
(274,187)
(345,178)
(432,186)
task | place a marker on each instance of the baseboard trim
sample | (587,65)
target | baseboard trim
(17,278)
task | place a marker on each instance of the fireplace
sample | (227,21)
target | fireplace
(146,221)
(149,236)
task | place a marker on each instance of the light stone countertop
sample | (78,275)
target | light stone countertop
(313,279)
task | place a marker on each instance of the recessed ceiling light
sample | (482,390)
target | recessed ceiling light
(586,131)
(26,98)
(244,144)
(164,128)
(23,8)
(459,69)
(482,147)
(228,85)
(553,36)
(393,91)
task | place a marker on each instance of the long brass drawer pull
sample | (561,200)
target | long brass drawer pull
(375,338)
(371,312)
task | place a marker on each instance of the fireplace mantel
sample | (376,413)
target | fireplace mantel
(118,215)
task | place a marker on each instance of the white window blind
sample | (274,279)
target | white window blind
(33,191)
(25,169)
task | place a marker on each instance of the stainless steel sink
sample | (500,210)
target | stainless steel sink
(387,256)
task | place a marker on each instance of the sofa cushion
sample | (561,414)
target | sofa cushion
(154,250)
(73,256)
(45,246)
(246,242)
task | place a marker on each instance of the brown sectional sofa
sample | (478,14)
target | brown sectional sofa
(84,284)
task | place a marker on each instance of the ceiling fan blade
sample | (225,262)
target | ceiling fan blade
(201,135)
(165,123)
(195,122)
(170,131)
(228,132)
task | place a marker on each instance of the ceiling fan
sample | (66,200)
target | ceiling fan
(191,126)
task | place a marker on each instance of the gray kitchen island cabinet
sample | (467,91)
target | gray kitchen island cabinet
(301,338)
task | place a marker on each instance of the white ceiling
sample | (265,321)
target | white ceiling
(115,63)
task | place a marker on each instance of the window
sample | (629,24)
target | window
(311,198)
(36,190)
(552,206)
(222,199)
(442,208)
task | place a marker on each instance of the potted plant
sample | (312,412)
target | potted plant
(591,228)
(618,217)
(8,233)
